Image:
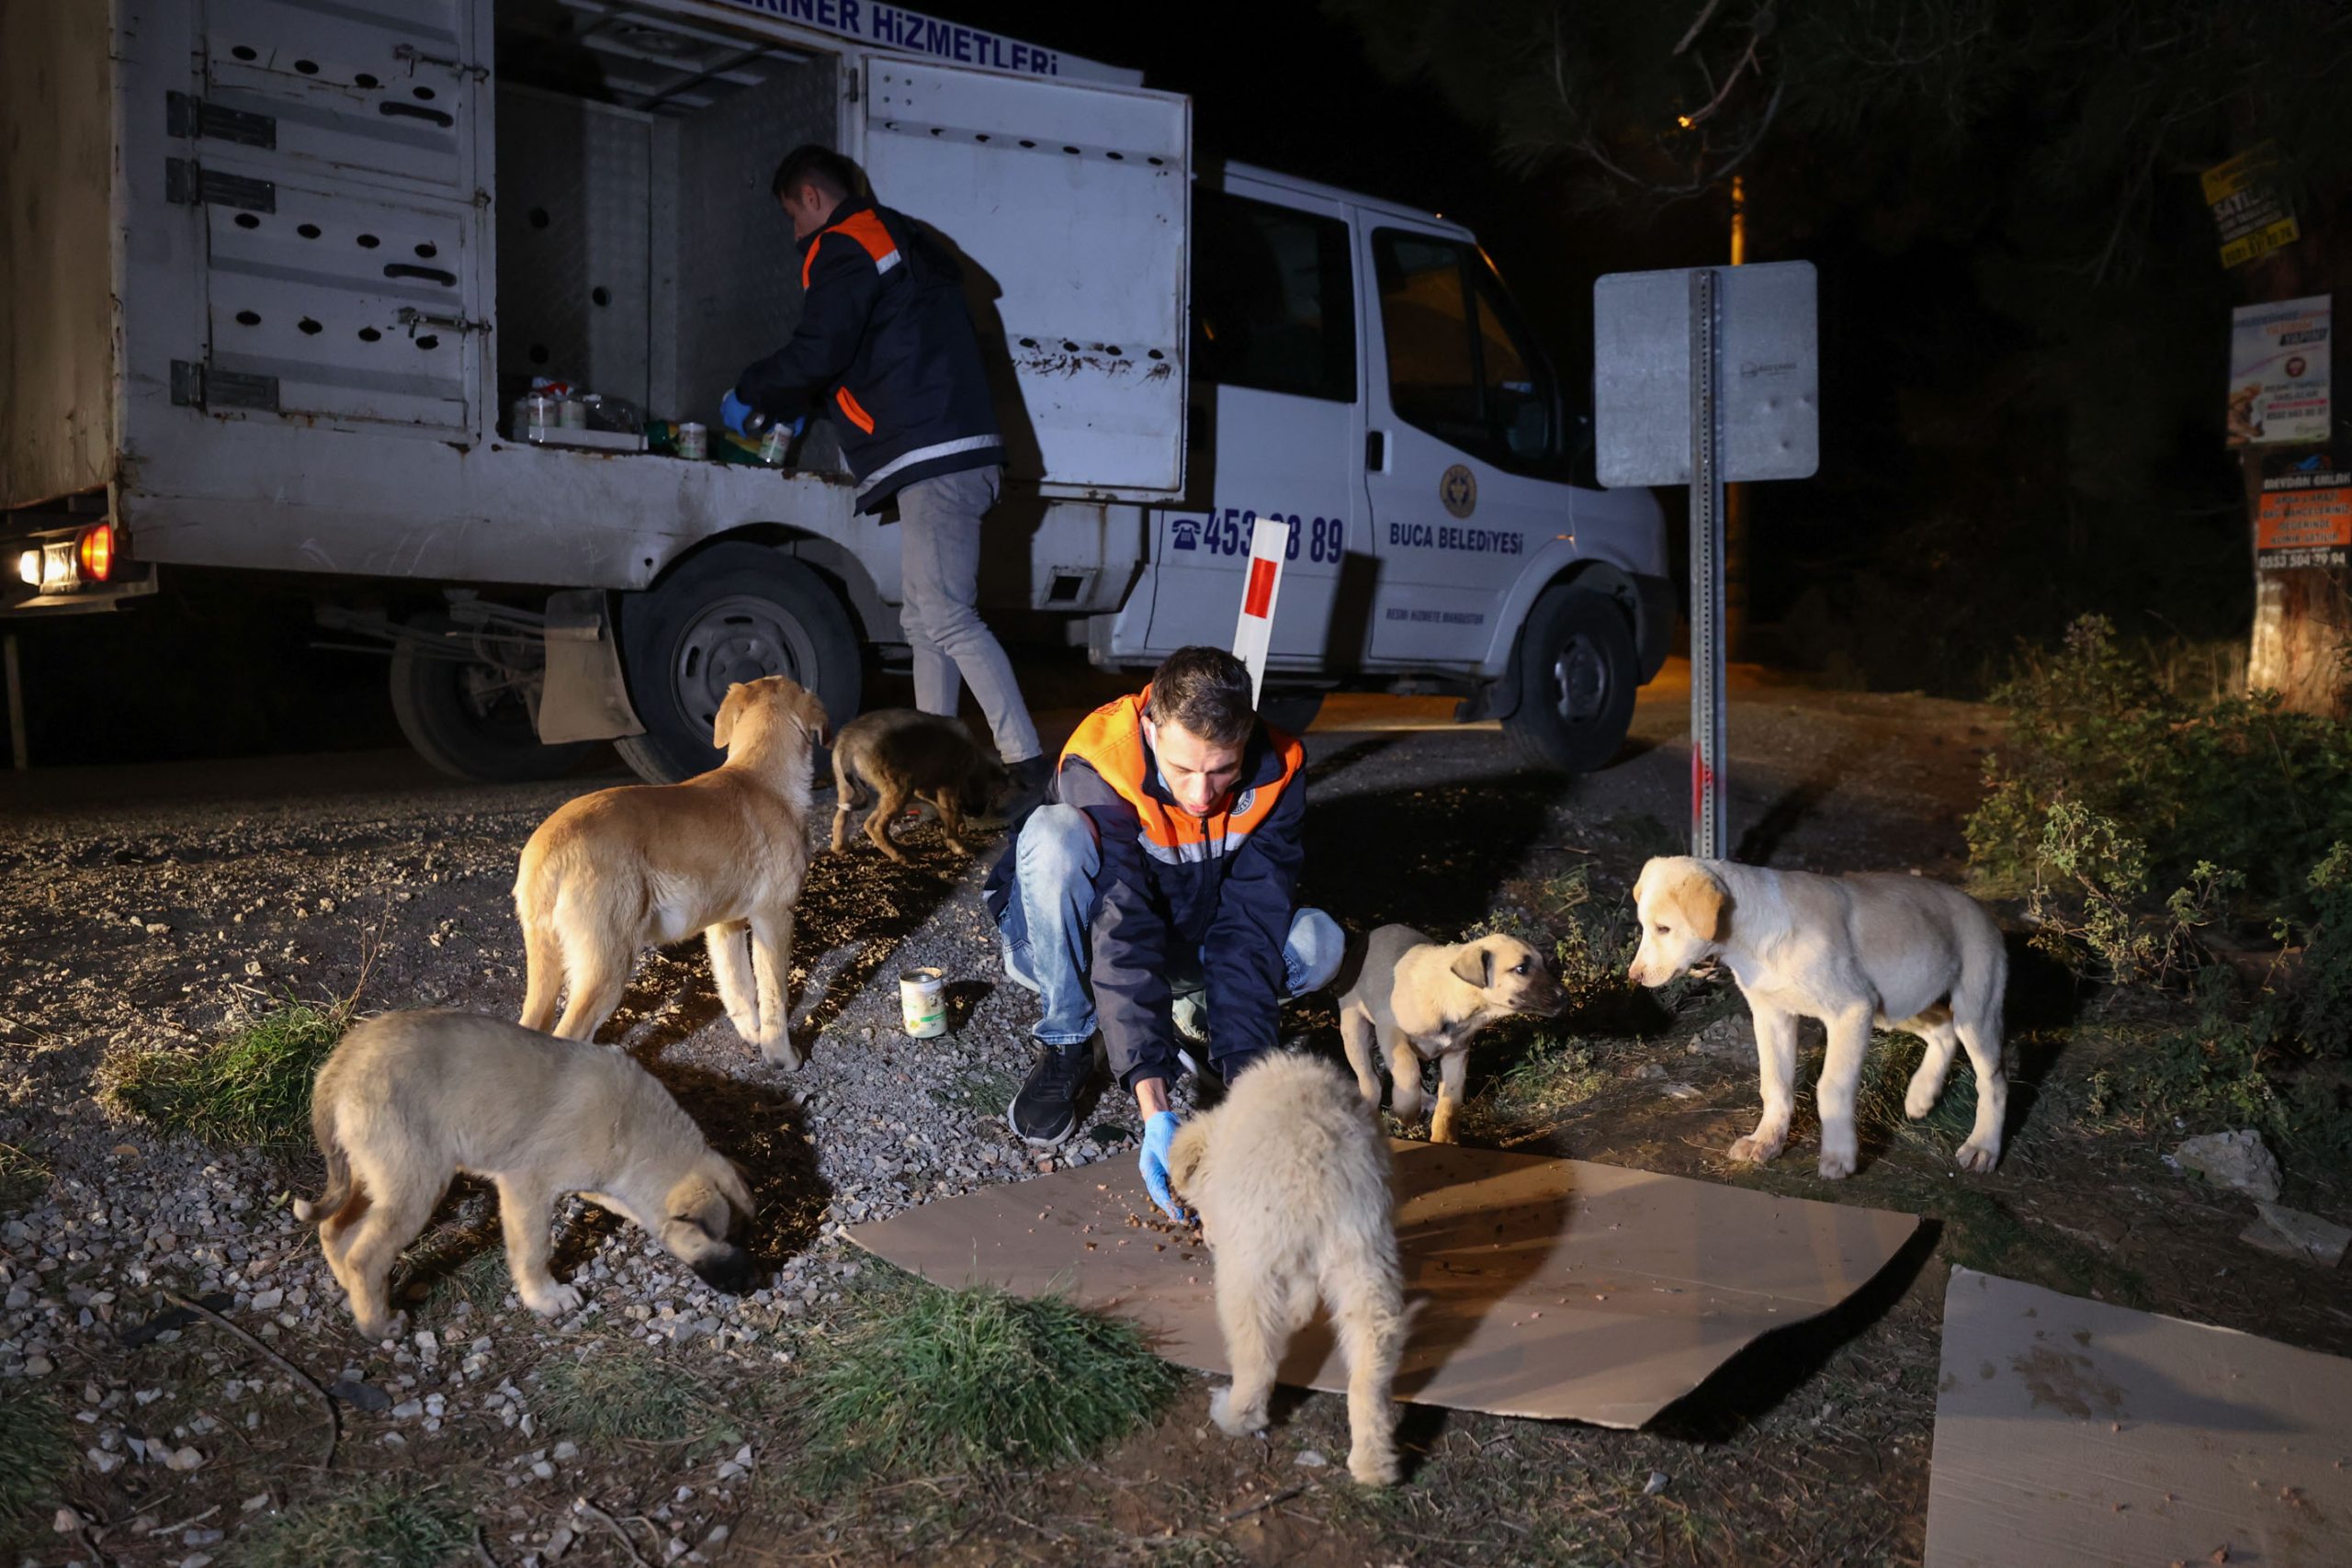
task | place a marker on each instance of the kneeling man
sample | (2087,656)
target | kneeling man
(1156,886)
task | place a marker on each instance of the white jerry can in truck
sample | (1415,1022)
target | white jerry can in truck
(291,269)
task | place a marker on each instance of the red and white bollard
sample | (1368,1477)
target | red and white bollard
(1254,632)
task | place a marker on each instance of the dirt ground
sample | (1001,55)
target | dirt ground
(149,908)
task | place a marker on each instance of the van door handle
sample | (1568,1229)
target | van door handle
(1375,451)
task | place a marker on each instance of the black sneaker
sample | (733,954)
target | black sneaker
(1045,1111)
(1028,782)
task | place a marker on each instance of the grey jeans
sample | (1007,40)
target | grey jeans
(939,573)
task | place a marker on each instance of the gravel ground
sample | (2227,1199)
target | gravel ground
(147,910)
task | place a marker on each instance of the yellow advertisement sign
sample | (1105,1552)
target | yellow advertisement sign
(2253,214)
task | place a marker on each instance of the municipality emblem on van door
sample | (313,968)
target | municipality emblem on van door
(1458,488)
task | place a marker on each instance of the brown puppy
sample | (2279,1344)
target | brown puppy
(1290,1176)
(616,871)
(409,1099)
(1420,998)
(901,753)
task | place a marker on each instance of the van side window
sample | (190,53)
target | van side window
(1274,301)
(1460,366)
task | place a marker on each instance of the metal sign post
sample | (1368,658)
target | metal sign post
(1702,377)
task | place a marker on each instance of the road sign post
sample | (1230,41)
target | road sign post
(1253,632)
(1703,376)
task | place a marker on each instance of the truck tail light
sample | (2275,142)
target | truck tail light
(97,552)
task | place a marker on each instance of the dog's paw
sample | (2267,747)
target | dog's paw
(1235,1423)
(1753,1150)
(1372,1466)
(1836,1165)
(553,1300)
(1978,1157)
(1915,1105)
(783,1053)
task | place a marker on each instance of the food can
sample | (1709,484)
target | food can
(575,413)
(773,446)
(694,440)
(539,416)
(922,1004)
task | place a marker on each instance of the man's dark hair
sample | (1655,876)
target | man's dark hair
(811,164)
(1206,691)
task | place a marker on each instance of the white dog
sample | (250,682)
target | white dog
(1290,1176)
(1896,951)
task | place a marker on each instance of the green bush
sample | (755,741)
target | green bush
(2235,782)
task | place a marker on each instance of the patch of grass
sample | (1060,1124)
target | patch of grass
(373,1524)
(23,1179)
(1554,1073)
(36,1446)
(1982,1233)
(931,1382)
(481,1282)
(1886,1079)
(987,1090)
(252,1087)
(628,1394)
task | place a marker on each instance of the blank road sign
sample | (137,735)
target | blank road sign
(1768,375)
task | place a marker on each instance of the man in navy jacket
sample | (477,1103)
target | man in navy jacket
(886,349)
(1160,877)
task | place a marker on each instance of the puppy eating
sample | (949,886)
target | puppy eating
(614,872)
(1418,999)
(1290,1177)
(1854,952)
(901,753)
(407,1101)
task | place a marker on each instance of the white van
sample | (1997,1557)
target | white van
(278,273)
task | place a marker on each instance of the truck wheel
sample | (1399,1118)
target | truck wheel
(1577,679)
(468,716)
(1290,712)
(734,613)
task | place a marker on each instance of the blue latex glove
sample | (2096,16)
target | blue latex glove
(733,412)
(1158,1134)
(796,426)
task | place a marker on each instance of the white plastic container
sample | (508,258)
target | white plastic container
(922,1003)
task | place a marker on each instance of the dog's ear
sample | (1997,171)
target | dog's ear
(1185,1154)
(1701,898)
(722,728)
(727,1176)
(814,717)
(1474,966)
(1643,881)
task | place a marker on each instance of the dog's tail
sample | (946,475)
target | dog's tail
(849,789)
(339,1182)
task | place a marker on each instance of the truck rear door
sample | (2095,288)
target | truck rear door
(1068,203)
(336,155)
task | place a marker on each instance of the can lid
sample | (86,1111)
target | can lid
(918,976)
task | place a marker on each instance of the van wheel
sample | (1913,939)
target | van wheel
(1290,712)
(1576,680)
(734,613)
(468,716)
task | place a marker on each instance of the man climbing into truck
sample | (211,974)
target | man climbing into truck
(887,350)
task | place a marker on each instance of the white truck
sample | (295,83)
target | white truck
(277,271)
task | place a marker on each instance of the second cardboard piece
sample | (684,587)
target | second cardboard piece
(1539,1287)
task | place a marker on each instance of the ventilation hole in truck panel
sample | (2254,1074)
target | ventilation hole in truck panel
(428,249)
(369,242)
(426,93)
(249,318)
(539,218)
(247,220)
(539,354)
(244,52)
(310,328)
(368,334)
(428,341)
(308,231)
(365,80)
(306,67)
(601,295)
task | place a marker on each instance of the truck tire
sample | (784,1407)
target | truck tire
(734,613)
(1290,712)
(469,719)
(1578,673)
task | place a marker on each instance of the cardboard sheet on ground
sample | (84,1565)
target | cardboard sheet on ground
(2071,1432)
(1546,1286)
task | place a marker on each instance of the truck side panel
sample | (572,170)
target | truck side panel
(57,99)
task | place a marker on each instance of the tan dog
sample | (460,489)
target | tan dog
(1896,951)
(1420,998)
(901,753)
(410,1100)
(622,870)
(1290,1177)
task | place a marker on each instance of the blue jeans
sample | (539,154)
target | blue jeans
(1047,937)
